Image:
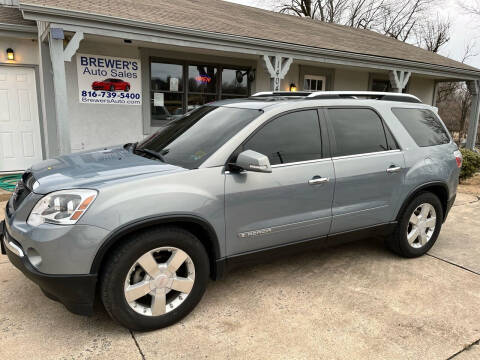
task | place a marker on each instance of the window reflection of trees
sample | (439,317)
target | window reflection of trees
(429,119)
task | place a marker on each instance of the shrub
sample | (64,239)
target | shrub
(471,163)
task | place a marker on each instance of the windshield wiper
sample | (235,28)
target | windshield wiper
(150,152)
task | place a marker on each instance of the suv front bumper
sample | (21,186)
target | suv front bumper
(76,292)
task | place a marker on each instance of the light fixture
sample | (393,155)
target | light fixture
(293,87)
(10,54)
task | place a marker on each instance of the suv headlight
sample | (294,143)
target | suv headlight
(64,207)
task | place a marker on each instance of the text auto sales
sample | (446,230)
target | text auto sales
(118,68)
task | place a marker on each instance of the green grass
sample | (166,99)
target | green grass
(8,182)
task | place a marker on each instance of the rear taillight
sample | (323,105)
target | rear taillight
(458,158)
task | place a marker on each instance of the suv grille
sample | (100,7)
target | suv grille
(23,188)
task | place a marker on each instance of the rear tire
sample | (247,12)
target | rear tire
(418,228)
(130,267)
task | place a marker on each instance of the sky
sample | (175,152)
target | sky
(465,27)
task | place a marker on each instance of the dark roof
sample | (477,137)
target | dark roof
(10,15)
(233,19)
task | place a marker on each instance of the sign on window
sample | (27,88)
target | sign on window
(109,80)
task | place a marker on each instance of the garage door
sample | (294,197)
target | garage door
(20,144)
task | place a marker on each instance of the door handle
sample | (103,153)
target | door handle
(318,180)
(393,169)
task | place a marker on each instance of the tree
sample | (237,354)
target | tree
(454,102)
(395,18)
(471,6)
(433,34)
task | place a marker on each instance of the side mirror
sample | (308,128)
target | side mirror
(250,160)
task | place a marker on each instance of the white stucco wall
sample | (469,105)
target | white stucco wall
(262,79)
(423,88)
(26,50)
(93,126)
(291,77)
(346,80)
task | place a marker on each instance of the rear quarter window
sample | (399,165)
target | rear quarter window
(423,126)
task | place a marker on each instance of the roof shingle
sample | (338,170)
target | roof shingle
(10,15)
(228,18)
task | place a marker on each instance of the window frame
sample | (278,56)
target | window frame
(185,66)
(310,77)
(323,138)
(331,133)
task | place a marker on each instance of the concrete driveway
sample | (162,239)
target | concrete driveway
(355,301)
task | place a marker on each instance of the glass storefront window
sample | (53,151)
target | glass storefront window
(196,100)
(166,77)
(172,106)
(166,92)
(181,87)
(202,79)
(230,84)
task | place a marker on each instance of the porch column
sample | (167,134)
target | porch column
(474,88)
(58,57)
(277,67)
(399,79)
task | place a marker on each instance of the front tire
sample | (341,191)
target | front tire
(418,228)
(155,279)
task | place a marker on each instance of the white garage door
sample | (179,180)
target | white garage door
(20,144)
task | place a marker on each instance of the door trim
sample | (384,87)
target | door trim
(269,253)
(301,163)
(284,227)
(365,154)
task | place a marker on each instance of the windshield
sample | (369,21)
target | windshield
(190,140)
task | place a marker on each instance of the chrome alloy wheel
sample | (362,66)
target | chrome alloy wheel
(421,225)
(159,281)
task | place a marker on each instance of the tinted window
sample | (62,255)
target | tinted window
(423,126)
(357,131)
(289,138)
(190,140)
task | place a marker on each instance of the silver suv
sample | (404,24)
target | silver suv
(144,226)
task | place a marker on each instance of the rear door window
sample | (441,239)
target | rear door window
(289,138)
(423,126)
(358,131)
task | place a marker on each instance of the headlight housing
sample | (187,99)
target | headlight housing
(64,207)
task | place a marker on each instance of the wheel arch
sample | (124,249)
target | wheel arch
(199,227)
(440,189)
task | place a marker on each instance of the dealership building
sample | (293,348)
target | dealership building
(78,75)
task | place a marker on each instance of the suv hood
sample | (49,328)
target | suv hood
(91,169)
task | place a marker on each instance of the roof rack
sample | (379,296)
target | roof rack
(293,94)
(385,96)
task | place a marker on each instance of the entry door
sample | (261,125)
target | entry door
(20,144)
(369,169)
(292,203)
